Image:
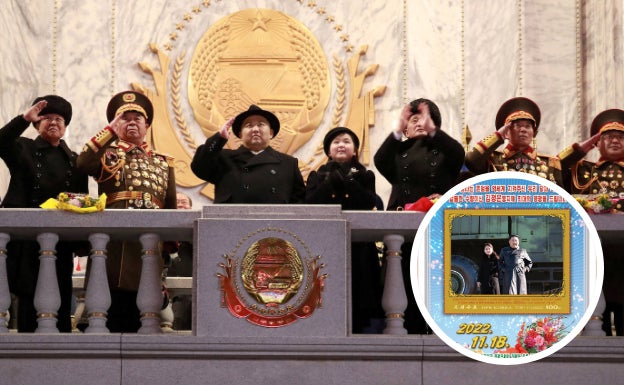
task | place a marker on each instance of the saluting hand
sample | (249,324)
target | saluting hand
(505,129)
(116,123)
(587,145)
(32,115)
(225,129)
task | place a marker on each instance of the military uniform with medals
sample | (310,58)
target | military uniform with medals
(132,177)
(600,177)
(606,176)
(484,157)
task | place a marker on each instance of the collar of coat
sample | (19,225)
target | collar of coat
(603,161)
(41,143)
(510,151)
(127,146)
(269,155)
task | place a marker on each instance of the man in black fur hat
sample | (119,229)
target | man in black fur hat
(40,168)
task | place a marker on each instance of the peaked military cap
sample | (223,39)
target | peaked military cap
(608,120)
(130,101)
(516,109)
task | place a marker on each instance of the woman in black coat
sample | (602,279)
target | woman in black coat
(40,168)
(488,271)
(345,181)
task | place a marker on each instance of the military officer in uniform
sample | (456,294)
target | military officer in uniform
(40,169)
(518,120)
(254,172)
(606,176)
(133,177)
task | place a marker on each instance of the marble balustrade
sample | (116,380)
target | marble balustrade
(152,226)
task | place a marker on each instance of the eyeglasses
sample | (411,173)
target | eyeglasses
(612,135)
(56,119)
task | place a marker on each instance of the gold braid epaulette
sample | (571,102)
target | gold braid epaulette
(566,152)
(554,162)
(170,159)
(100,139)
(488,142)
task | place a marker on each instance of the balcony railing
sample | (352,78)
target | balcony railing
(208,355)
(153,226)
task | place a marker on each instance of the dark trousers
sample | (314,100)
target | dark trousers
(366,289)
(123,315)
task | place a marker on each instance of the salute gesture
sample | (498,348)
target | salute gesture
(32,115)
(225,129)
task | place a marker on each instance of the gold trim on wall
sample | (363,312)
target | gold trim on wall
(54,44)
(520,48)
(579,70)
(463,68)
(404,53)
(113,46)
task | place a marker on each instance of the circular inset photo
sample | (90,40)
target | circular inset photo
(507,268)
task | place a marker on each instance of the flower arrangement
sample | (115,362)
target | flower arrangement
(75,202)
(78,200)
(540,334)
(600,204)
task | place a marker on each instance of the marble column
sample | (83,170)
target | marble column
(149,296)
(98,298)
(594,325)
(394,300)
(47,294)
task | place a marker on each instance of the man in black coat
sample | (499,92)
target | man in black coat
(254,172)
(40,169)
(427,163)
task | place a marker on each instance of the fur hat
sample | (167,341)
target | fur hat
(56,105)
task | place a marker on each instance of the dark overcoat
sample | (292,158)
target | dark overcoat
(419,167)
(38,171)
(240,176)
(350,185)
